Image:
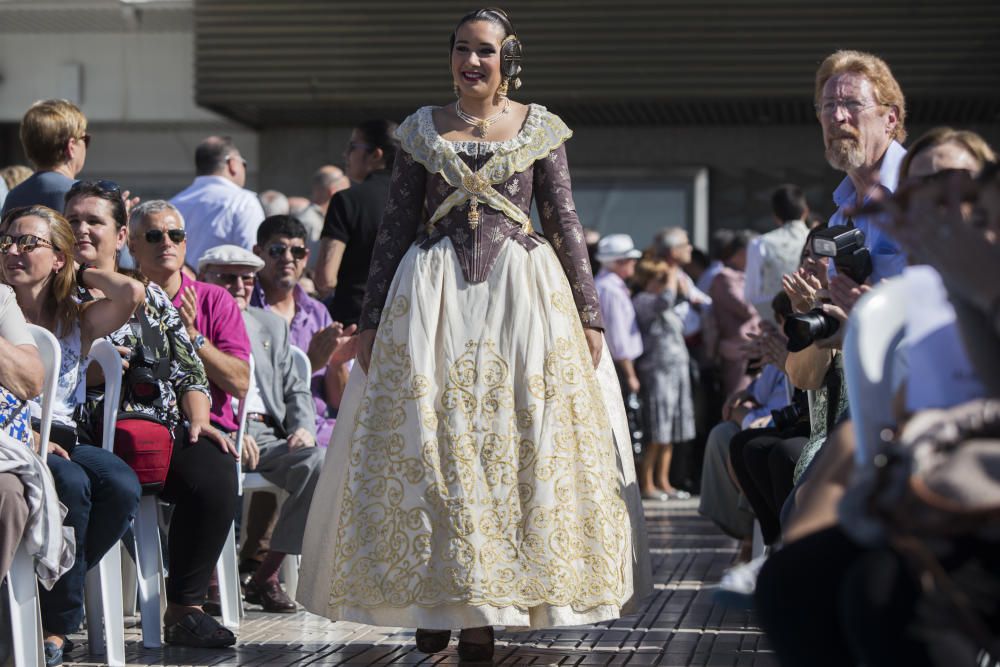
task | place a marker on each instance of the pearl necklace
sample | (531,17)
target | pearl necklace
(482,124)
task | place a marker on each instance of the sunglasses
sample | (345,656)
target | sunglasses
(24,242)
(230,278)
(277,250)
(85,139)
(109,187)
(155,236)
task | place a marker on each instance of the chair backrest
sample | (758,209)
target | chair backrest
(104,354)
(302,364)
(876,327)
(241,420)
(51,354)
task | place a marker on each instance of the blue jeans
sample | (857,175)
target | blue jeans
(101,494)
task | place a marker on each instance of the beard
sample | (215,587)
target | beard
(845,153)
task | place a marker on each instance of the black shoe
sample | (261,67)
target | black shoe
(432,641)
(271,596)
(476,651)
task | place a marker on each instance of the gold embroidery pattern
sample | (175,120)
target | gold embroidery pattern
(511,498)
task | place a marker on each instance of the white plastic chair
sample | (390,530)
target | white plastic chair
(227,568)
(22,585)
(874,331)
(104,600)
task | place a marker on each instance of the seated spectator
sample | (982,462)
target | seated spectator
(281,422)
(54,137)
(772,255)
(208,345)
(664,375)
(100,492)
(282,246)
(735,319)
(722,500)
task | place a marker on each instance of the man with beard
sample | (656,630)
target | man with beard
(861,109)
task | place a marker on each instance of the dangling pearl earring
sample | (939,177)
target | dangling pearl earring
(454,88)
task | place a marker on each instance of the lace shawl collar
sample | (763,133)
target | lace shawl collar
(542,133)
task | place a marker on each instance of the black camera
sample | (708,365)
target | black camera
(846,245)
(786,417)
(143,375)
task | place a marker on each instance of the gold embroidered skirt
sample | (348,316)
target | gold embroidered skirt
(481,474)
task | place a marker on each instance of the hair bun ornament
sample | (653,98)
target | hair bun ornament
(511,53)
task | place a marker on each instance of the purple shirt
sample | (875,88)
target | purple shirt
(219,320)
(310,317)
(620,327)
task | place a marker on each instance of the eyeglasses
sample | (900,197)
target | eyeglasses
(237,157)
(230,278)
(277,250)
(853,107)
(25,243)
(155,236)
(85,139)
(109,187)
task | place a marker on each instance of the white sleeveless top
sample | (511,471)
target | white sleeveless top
(70,389)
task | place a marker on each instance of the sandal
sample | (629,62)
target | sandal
(199,630)
(476,651)
(432,641)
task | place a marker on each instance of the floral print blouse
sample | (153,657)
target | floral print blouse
(479,195)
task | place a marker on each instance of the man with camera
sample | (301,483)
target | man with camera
(281,420)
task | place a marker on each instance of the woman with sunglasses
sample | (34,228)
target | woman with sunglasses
(99,490)
(486,476)
(201,473)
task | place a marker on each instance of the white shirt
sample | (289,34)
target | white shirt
(217,211)
(769,257)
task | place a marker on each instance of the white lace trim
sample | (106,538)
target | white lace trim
(425,120)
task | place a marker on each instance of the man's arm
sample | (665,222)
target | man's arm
(246,219)
(227,371)
(331,253)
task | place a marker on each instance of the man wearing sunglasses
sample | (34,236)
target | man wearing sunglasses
(217,208)
(54,137)
(281,422)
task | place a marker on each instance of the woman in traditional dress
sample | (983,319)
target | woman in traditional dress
(483,473)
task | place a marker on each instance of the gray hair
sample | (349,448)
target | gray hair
(140,213)
(669,238)
(274,203)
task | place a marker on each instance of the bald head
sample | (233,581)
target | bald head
(327,181)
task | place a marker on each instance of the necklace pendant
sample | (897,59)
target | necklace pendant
(473,213)
(484,128)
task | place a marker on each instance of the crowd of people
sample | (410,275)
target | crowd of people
(480,370)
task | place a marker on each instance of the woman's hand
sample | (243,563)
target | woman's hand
(57,450)
(223,441)
(595,342)
(801,288)
(366,341)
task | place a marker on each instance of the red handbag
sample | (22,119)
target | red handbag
(145,444)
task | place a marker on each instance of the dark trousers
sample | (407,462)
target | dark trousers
(101,495)
(201,484)
(826,601)
(764,463)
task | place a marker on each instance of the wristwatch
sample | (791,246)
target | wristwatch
(198,342)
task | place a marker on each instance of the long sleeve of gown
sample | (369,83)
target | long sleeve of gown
(561,226)
(400,222)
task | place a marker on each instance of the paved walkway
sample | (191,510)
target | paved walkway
(679,626)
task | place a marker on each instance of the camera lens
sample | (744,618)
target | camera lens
(804,329)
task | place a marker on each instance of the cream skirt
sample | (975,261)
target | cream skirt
(481,474)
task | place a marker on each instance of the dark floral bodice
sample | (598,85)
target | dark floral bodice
(479,194)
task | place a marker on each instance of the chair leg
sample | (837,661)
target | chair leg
(25,613)
(229,582)
(149,563)
(290,573)
(130,581)
(105,622)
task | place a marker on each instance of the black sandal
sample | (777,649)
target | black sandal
(432,641)
(476,651)
(199,630)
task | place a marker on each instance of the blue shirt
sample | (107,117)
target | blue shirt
(621,330)
(888,258)
(770,391)
(46,188)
